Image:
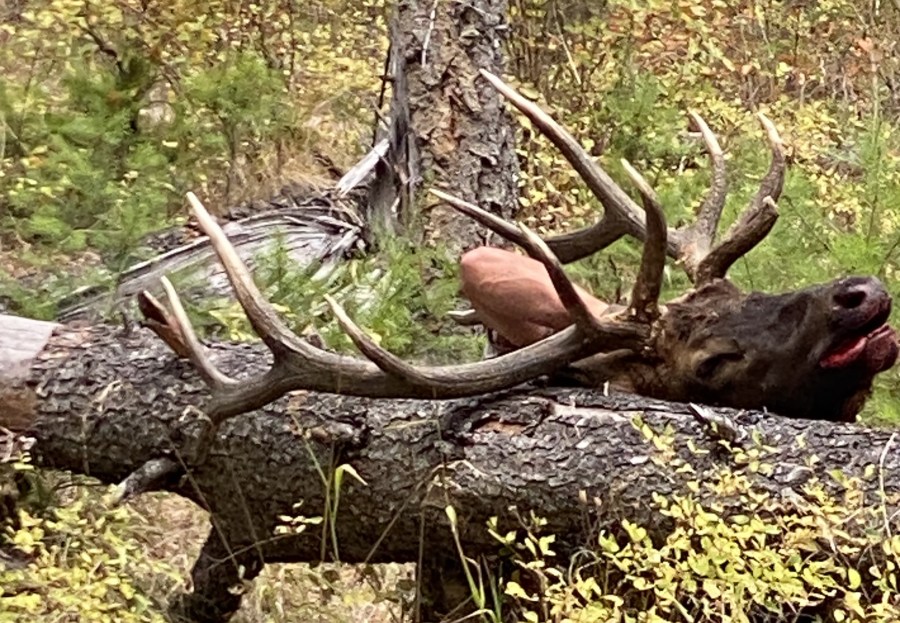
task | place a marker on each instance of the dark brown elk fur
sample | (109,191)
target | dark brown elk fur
(812,353)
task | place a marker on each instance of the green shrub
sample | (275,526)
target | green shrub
(821,553)
(84,561)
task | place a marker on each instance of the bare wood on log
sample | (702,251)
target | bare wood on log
(21,340)
(313,227)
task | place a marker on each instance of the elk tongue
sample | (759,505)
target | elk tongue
(845,353)
(881,349)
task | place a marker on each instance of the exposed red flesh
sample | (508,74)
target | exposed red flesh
(879,348)
(846,353)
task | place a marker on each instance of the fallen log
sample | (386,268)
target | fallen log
(115,403)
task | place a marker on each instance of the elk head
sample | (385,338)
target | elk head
(810,353)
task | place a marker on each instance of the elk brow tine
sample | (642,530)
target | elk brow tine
(482,217)
(748,231)
(384,359)
(613,198)
(711,209)
(565,289)
(647,286)
(773,181)
(262,316)
(213,377)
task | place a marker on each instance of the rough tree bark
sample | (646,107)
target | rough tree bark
(106,401)
(448,128)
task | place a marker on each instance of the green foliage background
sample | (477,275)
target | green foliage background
(624,74)
(109,112)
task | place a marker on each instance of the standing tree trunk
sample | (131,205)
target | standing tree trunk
(448,128)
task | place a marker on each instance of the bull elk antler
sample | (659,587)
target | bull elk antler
(693,246)
(297,364)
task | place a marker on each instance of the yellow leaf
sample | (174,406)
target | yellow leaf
(853,579)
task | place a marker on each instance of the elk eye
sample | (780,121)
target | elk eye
(709,366)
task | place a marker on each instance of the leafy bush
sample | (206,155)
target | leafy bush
(109,112)
(80,561)
(805,554)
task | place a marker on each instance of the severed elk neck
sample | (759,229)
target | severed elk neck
(810,353)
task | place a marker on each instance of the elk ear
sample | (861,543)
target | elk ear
(715,354)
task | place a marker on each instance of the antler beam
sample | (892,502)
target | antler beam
(693,245)
(298,364)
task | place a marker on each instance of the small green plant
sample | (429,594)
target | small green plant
(80,560)
(482,585)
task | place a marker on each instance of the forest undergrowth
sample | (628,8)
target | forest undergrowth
(109,112)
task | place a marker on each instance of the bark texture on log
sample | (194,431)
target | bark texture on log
(449,128)
(107,401)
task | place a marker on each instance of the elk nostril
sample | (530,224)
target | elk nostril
(850,299)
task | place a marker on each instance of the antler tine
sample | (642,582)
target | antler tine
(537,248)
(773,182)
(756,221)
(266,322)
(575,245)
(207,370)
(493,222)
(645,293)
(622,216)
(384,359)
(752,226)
(565,289)
(501,372)
(711,209)
(697,238)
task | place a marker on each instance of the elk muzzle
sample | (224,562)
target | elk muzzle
(860,310)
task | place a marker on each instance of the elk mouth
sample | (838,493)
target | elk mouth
(873,344)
